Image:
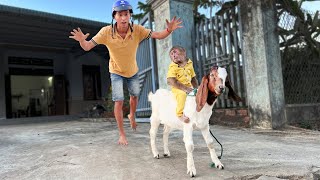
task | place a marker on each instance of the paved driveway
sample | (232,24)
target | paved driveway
(86,149)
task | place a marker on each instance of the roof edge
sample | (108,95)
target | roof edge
(24,11)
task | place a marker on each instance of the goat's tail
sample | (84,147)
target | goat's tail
(150,96)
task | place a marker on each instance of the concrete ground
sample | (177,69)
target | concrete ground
(87,149)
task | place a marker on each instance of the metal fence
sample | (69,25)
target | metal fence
(146,60)
(301,71)
(217,42)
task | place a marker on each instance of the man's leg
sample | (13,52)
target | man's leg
(118,113)
(133,108)
(118,98)
(134,90)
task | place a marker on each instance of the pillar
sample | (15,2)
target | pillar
(167,9)
(263,72)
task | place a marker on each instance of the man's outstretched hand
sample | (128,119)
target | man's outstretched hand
(78,35)
(174,24)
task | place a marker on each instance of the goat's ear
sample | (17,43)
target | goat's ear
(202,94)
(232,94)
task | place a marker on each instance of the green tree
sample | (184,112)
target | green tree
(145,9)
(306,28)
(206,4)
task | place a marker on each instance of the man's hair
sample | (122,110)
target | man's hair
(180,48)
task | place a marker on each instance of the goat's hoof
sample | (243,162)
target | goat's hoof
(157,156)
(166,155)
(192,173)
(219,166)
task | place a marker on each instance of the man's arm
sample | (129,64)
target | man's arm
(161,34)
(171,26)
(87,45)
(78,35)
(175,83)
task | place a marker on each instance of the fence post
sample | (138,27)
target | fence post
(167,9)
(263,72)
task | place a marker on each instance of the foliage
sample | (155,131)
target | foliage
(206,4)
(305,30)
(109,104)
(145,9)
(198,17)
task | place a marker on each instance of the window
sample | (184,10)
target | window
(91,82)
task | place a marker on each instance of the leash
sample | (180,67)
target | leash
(219,157)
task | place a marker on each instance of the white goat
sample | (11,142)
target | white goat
(198,108)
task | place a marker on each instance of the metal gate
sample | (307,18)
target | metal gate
(218,42)
(146,59)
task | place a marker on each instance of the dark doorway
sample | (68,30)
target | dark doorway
(30,95)
(60,96)
(29,91)
(8,96)
(91,82)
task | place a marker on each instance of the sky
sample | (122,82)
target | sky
(96,10)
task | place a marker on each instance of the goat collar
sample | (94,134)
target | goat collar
(193,92)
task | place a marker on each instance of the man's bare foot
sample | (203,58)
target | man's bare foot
(133,123)
(184,118)
(122,141)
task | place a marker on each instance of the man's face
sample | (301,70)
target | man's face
(122,17)
(177,56)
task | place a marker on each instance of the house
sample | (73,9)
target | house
(42,71)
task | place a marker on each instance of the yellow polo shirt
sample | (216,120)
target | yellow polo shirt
(122,52)
(182,74)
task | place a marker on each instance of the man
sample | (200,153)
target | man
(122,40)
